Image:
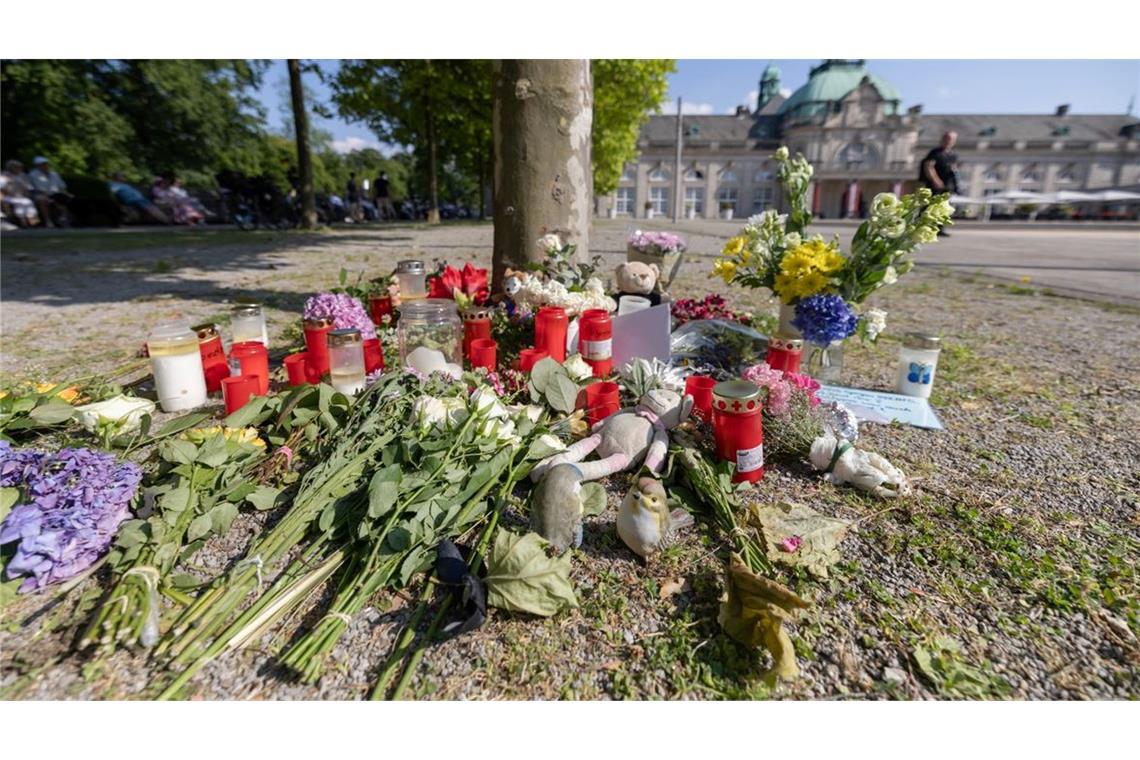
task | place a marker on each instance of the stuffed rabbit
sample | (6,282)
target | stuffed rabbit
(843,463)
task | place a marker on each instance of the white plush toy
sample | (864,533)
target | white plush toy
(843,463)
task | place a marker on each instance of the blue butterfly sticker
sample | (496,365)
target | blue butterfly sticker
(920,373)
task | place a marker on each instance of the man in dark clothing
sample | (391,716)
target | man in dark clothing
(939,169)
(383,200)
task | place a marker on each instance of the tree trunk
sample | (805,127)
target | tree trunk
(543,180)
(304,161)
(433,161)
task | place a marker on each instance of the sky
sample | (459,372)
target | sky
(941,86)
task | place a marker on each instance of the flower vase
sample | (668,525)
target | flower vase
(787,314)
(824,363)
(668,264)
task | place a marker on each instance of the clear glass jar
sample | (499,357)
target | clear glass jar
(918,360)
(346,360)
(432,324)
(247,321)
(176,363)
(411,277)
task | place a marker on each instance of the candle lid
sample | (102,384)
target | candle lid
(589,314)
(477,313)
(410,266)
(922,341)
(426,307)
(206,330)
(317,323)
(786,343)
(345,337)
(252,307)
(736,395)
(172,332)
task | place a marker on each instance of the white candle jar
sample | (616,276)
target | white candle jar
(411,278)
(918,360)
(176,363)
(346,360)
(247,322)
(432,323)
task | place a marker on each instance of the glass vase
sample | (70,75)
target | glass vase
(787,314)
(824,363)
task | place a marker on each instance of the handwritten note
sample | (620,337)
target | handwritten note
(883,408)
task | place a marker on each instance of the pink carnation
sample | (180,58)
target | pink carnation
(791,544)
(807,384)
(779,390)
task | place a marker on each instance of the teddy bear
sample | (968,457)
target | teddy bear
(626,438)
(635,278)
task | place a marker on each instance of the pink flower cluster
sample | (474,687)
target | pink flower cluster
(656,242)
(780,387)
(344,310)
(711,306)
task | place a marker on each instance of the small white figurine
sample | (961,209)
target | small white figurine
(841,463)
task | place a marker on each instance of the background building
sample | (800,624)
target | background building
(854,129)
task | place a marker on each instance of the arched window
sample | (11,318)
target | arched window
(728,175)
(1068,175)
(994,174)
(693,174)
(1031,174)
(629,173)
(659,174)
(858,155)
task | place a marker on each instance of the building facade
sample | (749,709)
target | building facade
(853,128)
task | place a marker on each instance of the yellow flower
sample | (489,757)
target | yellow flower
(724,269)
(240,435)
(67,394)
(734,246)
(805,270)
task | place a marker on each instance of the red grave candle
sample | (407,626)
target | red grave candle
(484,353)
(550,326)
(296,367)
(700,387)
(237,391)
(373,356)
(529,357)
(476,326)
(600,401)
(380,307)
(785,352)
(738,429)
(595,340)
(317,348)
(214,364)
(251,358)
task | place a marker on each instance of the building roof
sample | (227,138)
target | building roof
(716,128)
(1029,127)
(831,81)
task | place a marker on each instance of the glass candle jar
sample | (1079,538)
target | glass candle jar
(214,364)
(476,326)
(247,322)
(411,277)
(785,353)
(738,428)
(434,324)
(550,325)
(176,363)
(346,360)
(316,348)
(918,360)
(595,340)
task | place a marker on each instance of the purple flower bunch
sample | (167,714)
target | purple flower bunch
(656,241)
(75,500)
(344,310)
(824,319)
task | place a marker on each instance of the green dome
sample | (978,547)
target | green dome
(831,81)
(771,72)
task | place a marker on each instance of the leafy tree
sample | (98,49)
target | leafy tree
(626,91)
(304,159)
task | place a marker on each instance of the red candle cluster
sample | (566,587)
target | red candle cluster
(595,340)
(550,325)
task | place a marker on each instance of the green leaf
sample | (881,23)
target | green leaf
(522,578)
(213,452)
(263,497)
(415,561)
(541,373)
(8,499)
(24,404)
(562,393)
(593,497)
(222,516)
(184,581)
(131,533)
(819,535)
(179,451)
(180,424)
(174,501)
(52,413)
(199,528)
(383,490)
(248,414)
(399,538)
(241,492)
(164,557)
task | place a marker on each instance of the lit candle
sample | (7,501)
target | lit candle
(247,322)
(346,361)
(176,363)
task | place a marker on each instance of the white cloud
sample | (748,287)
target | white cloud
(351,143)
(699,109)
(750,99)
(786,92)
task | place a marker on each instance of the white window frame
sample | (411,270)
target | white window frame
(763,198)
(695,199)
(624,200)
(659,200)
(659,174)
(729,175)
(729,195)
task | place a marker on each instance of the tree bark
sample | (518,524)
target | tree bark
(304,160)
(543,180)
(433,154)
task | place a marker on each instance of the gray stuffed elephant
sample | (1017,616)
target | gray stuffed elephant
(626,438)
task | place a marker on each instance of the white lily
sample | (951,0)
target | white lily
(124,411)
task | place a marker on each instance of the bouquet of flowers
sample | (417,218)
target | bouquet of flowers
(790,420)
(712,306)
(560,281)
(344,310)
(467,286)
(823,284)
(67,508)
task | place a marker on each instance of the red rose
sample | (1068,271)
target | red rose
(443,284)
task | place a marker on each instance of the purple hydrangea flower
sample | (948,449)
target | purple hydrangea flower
(653,241)
(344,311)
(825,319)
(74,502)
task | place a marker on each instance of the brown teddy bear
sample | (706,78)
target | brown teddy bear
(635,278)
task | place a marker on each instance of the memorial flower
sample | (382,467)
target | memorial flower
(344,310)
(824,319)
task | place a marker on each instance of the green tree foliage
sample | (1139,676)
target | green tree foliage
(626,91)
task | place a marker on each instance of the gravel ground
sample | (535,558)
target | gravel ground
(1019,543)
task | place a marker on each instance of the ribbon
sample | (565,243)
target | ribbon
(841,448)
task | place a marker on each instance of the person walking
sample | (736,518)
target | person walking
(352,195)
(939,169)
(383,198)
(49,192)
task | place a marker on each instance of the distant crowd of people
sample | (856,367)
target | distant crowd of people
(41,198)
(369,203)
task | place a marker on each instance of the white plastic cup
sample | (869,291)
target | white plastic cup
(632,305)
